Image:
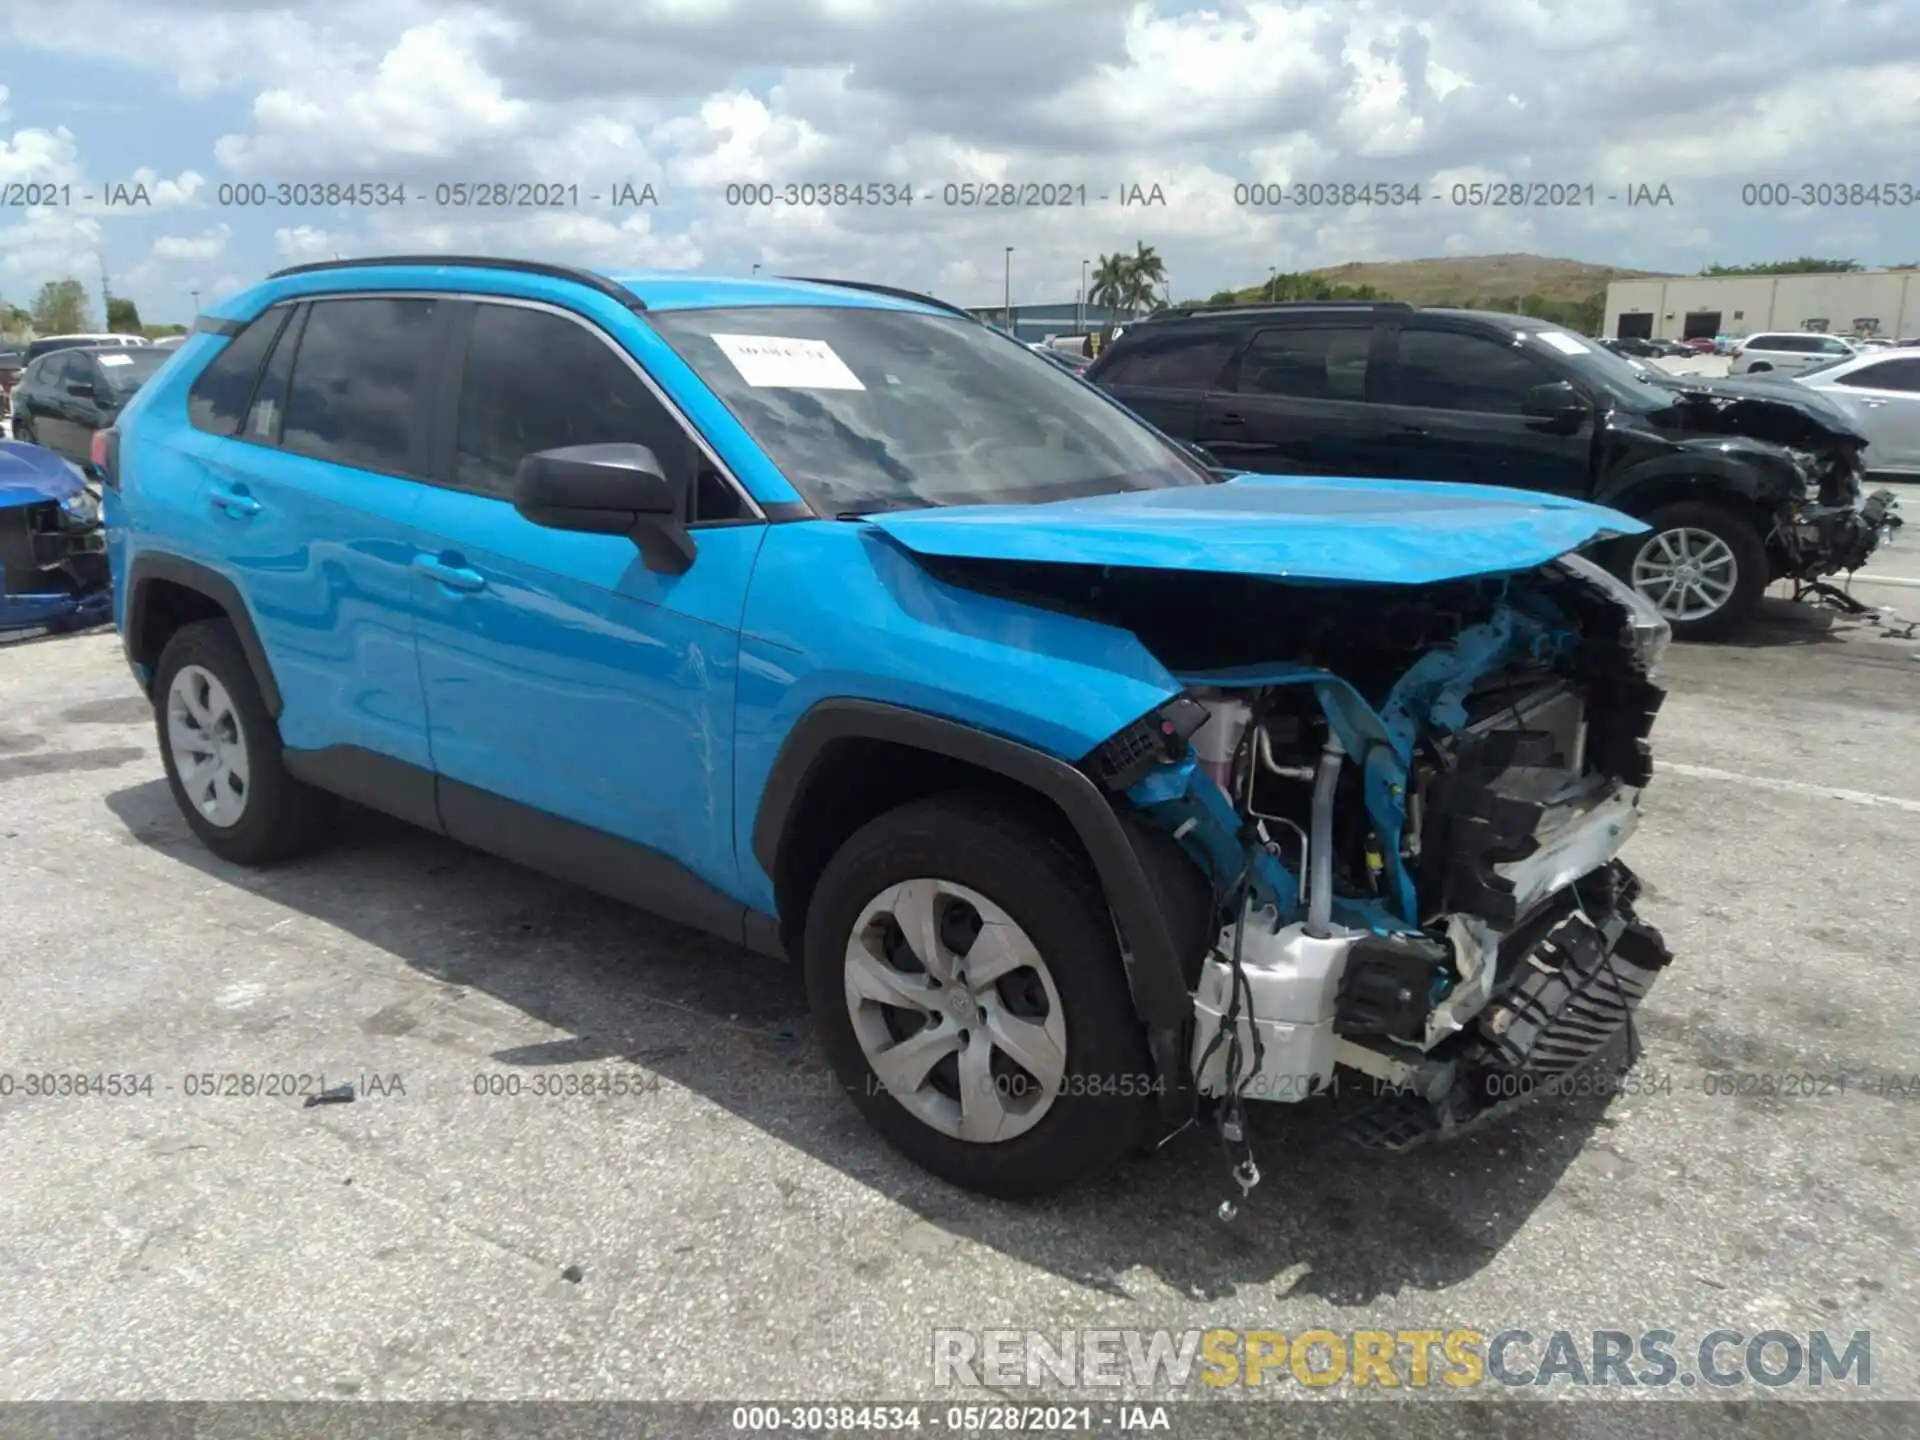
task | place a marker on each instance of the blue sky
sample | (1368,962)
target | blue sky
(692,96)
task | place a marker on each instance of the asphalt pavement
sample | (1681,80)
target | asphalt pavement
(727,1229)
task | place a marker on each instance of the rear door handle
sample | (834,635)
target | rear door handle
(1233,417)
(1420,430)
(236,502)
(450,574)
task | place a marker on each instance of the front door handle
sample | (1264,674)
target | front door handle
(1233,417)
(1417,430)
(235,502)
(450,574)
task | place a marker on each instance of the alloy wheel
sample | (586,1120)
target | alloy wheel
(955,1010)
(1687,574)
(209,747)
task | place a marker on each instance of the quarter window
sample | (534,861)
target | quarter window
(1450,370)
(219,397)
(356,392)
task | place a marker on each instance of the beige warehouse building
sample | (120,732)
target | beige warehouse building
(1859,302)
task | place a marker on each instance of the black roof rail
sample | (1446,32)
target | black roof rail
(588,278)
(1254,307)
(892,290)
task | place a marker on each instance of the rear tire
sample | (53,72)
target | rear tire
(1703,566)
(222,751)
(1077,1100)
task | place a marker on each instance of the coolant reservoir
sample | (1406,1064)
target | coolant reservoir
(1293,979)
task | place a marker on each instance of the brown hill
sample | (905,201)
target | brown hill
(1433,282)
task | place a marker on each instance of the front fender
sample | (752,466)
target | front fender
(1753,470)
(838,612)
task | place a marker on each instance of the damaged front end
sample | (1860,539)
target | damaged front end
(1410,822)
(1824,521)
(53,563)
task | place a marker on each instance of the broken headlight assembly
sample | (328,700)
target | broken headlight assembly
(1648,631)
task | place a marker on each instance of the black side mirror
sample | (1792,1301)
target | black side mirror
(1557,402)
(617,489)
(81,389)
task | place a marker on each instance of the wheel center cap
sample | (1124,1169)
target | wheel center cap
(960,1006)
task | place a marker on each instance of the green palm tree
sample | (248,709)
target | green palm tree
(1109,285)
(1149,274)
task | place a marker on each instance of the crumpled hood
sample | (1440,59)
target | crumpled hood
(1780,411)
(1363,532)
(30,474)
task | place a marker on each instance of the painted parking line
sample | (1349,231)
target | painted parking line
(1911,582)
(1791,787)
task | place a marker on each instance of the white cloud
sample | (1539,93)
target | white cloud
(303,242)
(169,194)
(46,156)
(49,245)
(427,98)
(207,245)
(692,95)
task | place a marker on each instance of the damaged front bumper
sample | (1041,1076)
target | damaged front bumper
(1421,886)
(53,568)
(1814,541)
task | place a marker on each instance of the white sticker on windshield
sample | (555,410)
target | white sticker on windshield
(1565,344)
(779,362)
(114,359)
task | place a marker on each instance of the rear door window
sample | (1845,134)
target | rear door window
(359,382)
(1173,360)
(1902,375)
(1318,362)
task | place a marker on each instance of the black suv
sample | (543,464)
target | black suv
(1742,482)
(67,394)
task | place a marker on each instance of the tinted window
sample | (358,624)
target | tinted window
(357,377)
(127,371)
(219,397)
(1901,375)
(1827,345)
(1170,361)
(535,381)
(270,395)
(1448,370)
(868,409)
(1313,363)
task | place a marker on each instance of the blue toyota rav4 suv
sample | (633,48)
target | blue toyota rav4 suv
(1094,789)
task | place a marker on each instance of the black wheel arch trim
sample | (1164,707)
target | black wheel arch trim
(149,566)
(1716,477)
(1139,901)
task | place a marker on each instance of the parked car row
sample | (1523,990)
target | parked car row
(1740,487)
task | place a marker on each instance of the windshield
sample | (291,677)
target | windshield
(870,409)
(1627,384)
(127,370)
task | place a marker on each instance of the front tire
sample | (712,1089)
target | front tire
(1702,566)
(222,753)
(964,974)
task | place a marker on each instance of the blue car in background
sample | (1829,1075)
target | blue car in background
(1094,790)
(53,564)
